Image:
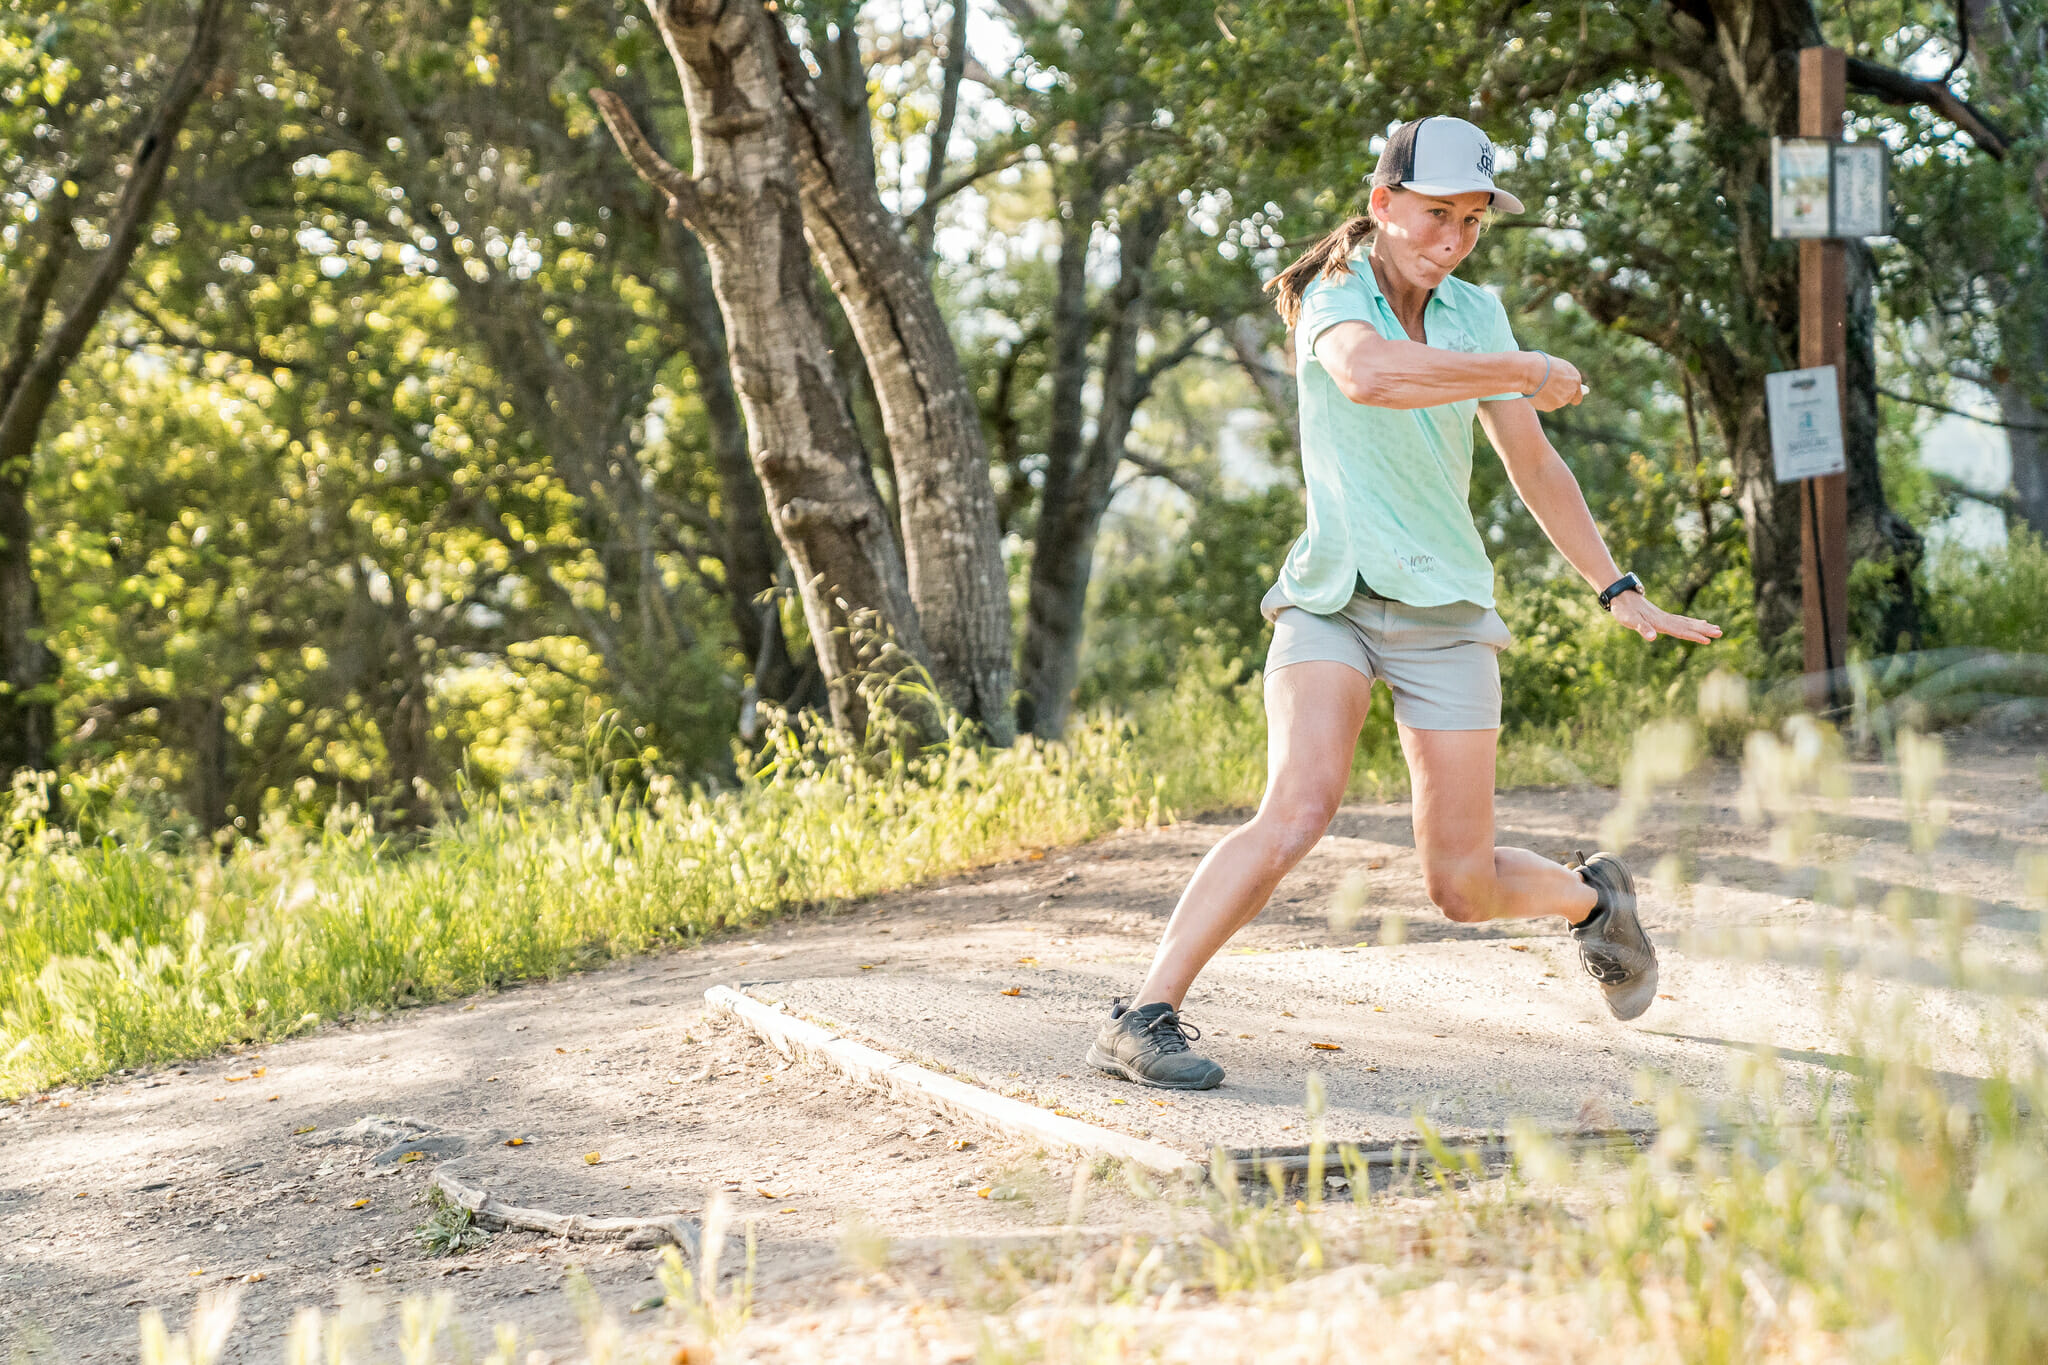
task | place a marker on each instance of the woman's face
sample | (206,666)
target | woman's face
(1423,237)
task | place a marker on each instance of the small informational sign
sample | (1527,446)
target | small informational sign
(1806,423)
(1861,203)
(1829,189)
(1802,186)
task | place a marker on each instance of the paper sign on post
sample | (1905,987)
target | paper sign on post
(1860,201)
(1806,423)
(1801,181)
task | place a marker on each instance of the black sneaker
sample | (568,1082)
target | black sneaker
(1149,1045)
(1612,945)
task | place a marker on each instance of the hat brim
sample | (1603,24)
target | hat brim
(1501,198)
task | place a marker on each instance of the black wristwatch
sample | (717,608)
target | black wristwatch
(1628,582)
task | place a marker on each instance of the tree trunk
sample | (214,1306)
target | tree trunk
(749,550)
(208,783)
(2026,436)
(34,366)
(1070,514)
(946,503)
(1051,612)
(745,207)
(1876,534)
(1275,384)
(2006,56)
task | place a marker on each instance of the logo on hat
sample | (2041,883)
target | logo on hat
(1486,159)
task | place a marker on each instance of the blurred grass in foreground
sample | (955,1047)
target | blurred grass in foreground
(1899,1213)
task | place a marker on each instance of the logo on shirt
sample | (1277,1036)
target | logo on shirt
(1416,563)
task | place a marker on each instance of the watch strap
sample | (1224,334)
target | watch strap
(1628,582)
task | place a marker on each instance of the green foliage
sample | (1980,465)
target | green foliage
(120,953)
(449,1228)
(1998,599)
(1203,591)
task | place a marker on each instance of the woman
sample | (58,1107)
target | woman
(1391,582)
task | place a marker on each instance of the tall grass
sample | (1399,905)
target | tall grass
(115,954)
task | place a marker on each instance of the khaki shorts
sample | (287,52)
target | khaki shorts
(1441,663)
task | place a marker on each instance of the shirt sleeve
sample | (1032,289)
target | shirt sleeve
(1499,337)
(1327,302)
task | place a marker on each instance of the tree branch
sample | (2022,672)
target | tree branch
(1958,412)
(1896,87)
(924,223)
(1159,469)
(154,153)
(1001,157)
(168,335)
(653,167)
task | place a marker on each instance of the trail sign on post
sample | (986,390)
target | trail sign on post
(1806,424)
(1822,190)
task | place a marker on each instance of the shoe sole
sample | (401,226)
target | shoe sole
(1102,1061)
(1630,1001)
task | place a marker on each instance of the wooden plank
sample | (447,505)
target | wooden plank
(794,1037)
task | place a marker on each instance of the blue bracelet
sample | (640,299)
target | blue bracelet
(1546,376)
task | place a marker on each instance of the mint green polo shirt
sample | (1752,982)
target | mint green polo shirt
(1386,487)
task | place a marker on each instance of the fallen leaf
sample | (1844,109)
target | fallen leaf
(1327,1047)
(867,966)
(766,1194)
(1119,1101)
(63,1104)
(270,1098)
(259,1071)
(983,1191)
(410,1157)
(1019,990)
(787,1208)
(301,1132)
(488,1079)
(360,1204)
(1027,962)
(1286,1014)
(1372,1068)
(232,1079)
(1662,996)
(515,1142)
(1379,1009)
(564,1051)
(82,1194)
(255,1277)
(961,1144)
(592,1158)
(1037,855)
(1518,947)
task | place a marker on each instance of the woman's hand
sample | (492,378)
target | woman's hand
(1649,620)
(1564,388)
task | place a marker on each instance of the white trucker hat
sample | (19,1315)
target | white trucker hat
(1442,156)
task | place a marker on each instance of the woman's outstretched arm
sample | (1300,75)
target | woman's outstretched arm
(1546,484)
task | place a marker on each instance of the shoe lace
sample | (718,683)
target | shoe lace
(1171,1033)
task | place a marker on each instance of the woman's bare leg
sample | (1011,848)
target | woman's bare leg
(1467,877)
(1314,712)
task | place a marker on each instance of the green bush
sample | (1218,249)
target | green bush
(1997,599)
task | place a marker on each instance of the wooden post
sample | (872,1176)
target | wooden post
(1824,340)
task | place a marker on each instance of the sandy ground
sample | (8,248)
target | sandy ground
(142,1190)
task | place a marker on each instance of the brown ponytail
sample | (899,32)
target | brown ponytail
(1327,259)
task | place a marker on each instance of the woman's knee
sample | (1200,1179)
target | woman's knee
(1465,895)
(1287,834)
